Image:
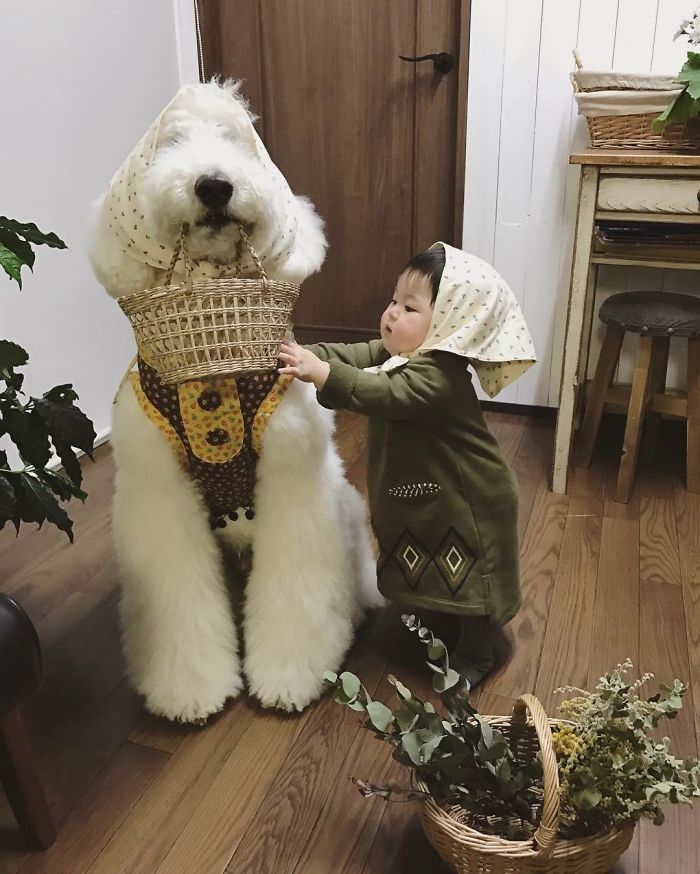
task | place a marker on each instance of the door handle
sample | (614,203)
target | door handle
(443,62)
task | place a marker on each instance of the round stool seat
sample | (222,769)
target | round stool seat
(656,313)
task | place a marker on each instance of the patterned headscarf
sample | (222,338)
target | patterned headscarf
(477,316)
(125,202)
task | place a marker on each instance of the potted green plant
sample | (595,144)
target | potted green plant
(502,793)
(687,104)
(37,426)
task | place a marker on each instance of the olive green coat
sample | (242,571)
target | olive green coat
(442,498)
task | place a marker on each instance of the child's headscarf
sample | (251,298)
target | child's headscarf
(476,315)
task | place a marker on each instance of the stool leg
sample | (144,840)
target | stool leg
(659,366)
(605,370)
(639,399)
(21,781)
(693,451)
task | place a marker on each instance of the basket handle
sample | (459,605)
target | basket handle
(546,833)
(180,249)
(579,66)
(245,239)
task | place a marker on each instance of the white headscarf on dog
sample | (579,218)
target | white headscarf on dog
(127,212)
(477,316)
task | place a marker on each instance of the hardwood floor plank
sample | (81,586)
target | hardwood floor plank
(615,631)
(343,835)
(157,819)
(99,812)
(400,845)
(66,619)
(87,566)
(687,506)
(345,829)
(33,544)
(491,704)
(659,553)
(159,734)
(78,674)
(69,762)
(539,559)
(278,834)
(530,466)
(567,638)
(629,862)
(216,827)
(675,846)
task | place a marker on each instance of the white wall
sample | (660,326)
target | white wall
(520,197)
(81,82)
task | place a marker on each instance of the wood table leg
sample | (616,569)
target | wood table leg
(639,400)
(574,329)
(21,781)
(588,314)
(605,370)
(693,451)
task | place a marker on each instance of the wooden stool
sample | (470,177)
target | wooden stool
(656,316)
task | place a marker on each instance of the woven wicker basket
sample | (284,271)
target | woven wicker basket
(210,327)
(625,130)
(468,851)
(636,132)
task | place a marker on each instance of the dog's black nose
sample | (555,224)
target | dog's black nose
(214,191)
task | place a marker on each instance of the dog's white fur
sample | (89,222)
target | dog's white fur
(313,570)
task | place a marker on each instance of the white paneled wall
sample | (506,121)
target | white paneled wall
(521,193)
(83,81)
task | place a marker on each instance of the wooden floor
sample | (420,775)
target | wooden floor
(260,793)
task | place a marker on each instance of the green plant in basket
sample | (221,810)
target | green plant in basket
(687,104)
(459,756)
(612,769)
(611,766)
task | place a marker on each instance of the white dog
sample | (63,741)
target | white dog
(313,571)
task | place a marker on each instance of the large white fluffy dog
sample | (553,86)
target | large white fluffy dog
(312,570)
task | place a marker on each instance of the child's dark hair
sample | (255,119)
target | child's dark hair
(429,264)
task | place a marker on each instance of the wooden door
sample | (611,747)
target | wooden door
(376,142)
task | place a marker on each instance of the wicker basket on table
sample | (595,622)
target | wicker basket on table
(467,850)
(607,100)
(210,327)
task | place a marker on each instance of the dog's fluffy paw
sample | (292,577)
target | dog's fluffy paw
(288,691)
(194,709)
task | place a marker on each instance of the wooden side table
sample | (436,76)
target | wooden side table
(617,185)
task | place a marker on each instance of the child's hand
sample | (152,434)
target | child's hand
(303,364)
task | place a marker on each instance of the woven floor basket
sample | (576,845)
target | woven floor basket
(468,851)
(210,327)
(636,132)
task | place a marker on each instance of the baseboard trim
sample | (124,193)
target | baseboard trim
(520,409)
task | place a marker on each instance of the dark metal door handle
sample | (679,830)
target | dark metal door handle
(442,61)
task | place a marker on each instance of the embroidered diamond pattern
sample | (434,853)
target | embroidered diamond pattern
(454,561)
(411,557)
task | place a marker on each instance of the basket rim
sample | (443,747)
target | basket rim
(494,844)
(207,286)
